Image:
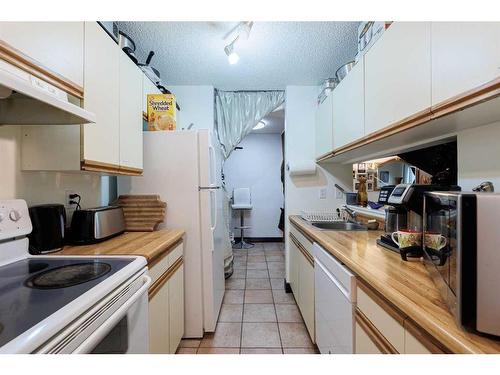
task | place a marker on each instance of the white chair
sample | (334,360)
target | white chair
(242,201)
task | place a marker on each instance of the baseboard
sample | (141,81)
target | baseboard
(260,239)
(288,288)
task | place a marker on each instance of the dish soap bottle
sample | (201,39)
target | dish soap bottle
(362,194)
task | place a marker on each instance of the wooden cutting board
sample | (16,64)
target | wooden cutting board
(143,213)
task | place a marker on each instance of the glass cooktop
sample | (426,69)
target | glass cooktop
(33,289)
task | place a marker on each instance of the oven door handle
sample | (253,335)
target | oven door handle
(103,330)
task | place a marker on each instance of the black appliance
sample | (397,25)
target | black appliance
(49,222)
(407,201)
(385,193)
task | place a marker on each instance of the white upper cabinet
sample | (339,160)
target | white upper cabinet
(131,104)
(324,127)
(398,75)
(101,87)
(57,46)
(465,55)
(349,107)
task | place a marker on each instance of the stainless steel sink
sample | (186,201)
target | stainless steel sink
(339,225)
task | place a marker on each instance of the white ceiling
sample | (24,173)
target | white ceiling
(276,54)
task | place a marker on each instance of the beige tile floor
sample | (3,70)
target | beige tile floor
(257,316)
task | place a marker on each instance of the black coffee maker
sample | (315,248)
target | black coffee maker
(404,213)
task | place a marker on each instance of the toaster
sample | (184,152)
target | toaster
(93,225)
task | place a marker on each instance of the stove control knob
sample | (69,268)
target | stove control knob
(14,215)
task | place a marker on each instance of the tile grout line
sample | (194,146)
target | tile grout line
(275,312)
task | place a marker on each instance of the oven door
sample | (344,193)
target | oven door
(118,324)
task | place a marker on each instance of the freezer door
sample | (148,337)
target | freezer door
(214,242)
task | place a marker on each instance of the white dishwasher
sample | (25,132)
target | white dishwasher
(335,302)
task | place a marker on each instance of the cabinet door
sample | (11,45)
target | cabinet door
(294,268)
(130,113)
(349,107)
(159,322)
(306,293)
(176,308)
(58,46)
(324,127)
(398,75)
(465,55)
(101,141)
(364,344)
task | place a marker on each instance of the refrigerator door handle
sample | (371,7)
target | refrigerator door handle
(208,187)
(213,210)
(212,171)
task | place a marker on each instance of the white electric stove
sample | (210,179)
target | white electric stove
(68,304)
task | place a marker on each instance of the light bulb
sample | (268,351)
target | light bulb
(233,58)
(260,125)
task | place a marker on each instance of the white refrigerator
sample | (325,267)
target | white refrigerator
(184,168)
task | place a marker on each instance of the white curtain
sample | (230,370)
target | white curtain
(237,112)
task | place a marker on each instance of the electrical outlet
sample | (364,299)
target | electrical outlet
(322,193)
(67,199)
(338,194)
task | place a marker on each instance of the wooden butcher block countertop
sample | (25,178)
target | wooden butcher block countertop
(150,245)
(407,285)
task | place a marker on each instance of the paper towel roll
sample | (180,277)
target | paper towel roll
(302,167)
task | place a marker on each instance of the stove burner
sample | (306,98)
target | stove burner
(32,267)
(70,275)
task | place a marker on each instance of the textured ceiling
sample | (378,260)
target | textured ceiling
(276,54)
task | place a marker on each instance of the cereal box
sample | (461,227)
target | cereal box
(161,112)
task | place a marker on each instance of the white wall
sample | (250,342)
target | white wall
(302,192)
(479,156)
(258,166)
(41,187)
(197,106)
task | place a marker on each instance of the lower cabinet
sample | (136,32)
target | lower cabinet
(381,329)
(302,282)
(166,304)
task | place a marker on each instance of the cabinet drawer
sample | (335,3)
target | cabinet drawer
(304,241)
(158,269)
(175,254)
(160,266)
(364,343)
(419,342)
(383,316)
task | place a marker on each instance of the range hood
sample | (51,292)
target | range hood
(28,100)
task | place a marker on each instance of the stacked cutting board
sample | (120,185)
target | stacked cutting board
(143,213)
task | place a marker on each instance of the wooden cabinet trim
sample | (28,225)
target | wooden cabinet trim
(424,338)
(97,166)
(488,91)
(26,63)
(378,339)
(158,258)
(304,252)
(382,302)
(307,236)
(153,289)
